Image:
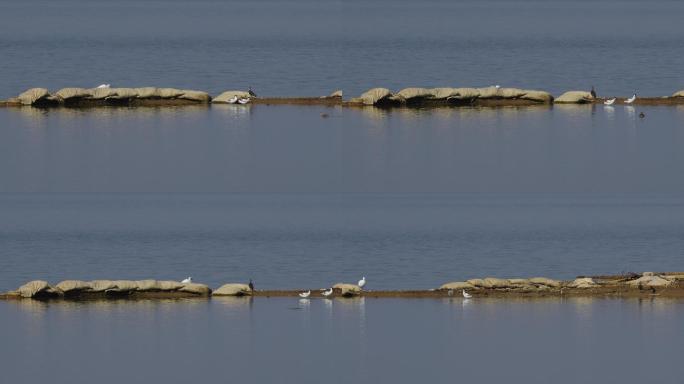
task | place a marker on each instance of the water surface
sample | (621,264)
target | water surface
(341,341)
(306,47)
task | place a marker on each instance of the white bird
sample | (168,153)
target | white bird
(609,101)
(233,100)
(631,99)
(362,282)
(327,293)
(103,86)
(450,292)
(304,294)
(497,86)
(187,281)
(466,294)
(243,100)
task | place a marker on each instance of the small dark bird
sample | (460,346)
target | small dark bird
(593,92)
(251,93)
(251,285)
(642,115)
(324,115)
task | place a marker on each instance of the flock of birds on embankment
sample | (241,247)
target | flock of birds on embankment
(329,291)
(609,102)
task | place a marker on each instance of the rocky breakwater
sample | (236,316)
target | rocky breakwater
(84,97)
(492,96)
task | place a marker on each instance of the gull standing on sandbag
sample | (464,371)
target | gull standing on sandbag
(187,280)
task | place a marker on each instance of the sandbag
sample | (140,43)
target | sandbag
(34,288)
(71,286)
(574,97)
(147,285)
(414,93)
(195,96)
(583,282)
(650,281)
(125,286)
(545,281)
(678,94)
(347,289)
(168,285)
(456,285)
(147,92)
(169,93)
(493,282)
(33,95)
(227,95)
(102,285)
(232,290)
(479,283)
(375,95)
(72,93)
(198,289)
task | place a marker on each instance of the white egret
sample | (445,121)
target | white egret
(187,281)
(362,282)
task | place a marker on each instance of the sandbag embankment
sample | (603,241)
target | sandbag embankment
(99,96)
(678,94)
(445,95)
(105,288)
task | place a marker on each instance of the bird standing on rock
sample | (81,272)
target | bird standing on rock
(593,92)
(251,285)
(362,282)
(187,281)
(251,93)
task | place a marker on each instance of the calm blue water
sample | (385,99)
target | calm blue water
(410,199)
(343,341)
(307,47)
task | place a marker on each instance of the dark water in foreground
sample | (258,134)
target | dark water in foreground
(313,47)
(344,341)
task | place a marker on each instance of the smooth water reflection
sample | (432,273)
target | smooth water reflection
(360,340)
(292,149)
